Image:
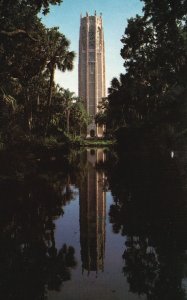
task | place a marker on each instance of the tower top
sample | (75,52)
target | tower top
(95,15)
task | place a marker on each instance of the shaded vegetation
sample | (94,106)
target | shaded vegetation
(31,105)
(151,95)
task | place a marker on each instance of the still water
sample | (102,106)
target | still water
(94,225)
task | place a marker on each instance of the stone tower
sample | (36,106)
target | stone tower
(92,68)
(92,199)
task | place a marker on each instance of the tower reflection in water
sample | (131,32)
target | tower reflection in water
(92,213)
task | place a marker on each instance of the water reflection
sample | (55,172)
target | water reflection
(151,211)
(135,240)
(92,213)
(30,264)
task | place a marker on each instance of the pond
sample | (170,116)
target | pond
(94,224)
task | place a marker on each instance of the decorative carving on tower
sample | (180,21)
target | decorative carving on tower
(92,68)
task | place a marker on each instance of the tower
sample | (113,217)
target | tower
(92,68)
(92,213)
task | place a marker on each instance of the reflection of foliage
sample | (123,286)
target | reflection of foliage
(29,262)
(58,267)
(27,271)
(141,266)
(150,210)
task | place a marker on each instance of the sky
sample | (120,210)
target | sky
(115,14)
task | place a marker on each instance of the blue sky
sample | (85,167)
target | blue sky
(115,14)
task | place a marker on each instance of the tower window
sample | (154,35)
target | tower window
(91,68)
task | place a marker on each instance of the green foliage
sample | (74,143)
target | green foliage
(101,116)
(98,143)
(79,118)
(30,103)
(68,114)
(153,90)
(59,56)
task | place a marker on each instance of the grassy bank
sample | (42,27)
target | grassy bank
(64,143)
(97,143)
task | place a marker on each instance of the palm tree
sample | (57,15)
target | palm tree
(59,57)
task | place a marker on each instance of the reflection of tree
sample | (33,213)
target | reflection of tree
(141,265)
(30,264)
(26,272)
(150,210)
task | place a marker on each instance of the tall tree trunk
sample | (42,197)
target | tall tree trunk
(51,84)
(30,120)
(68,116)
(38,100)
(49,98)
(27,111)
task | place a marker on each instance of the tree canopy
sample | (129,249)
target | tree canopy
(153,88)
(29,55)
